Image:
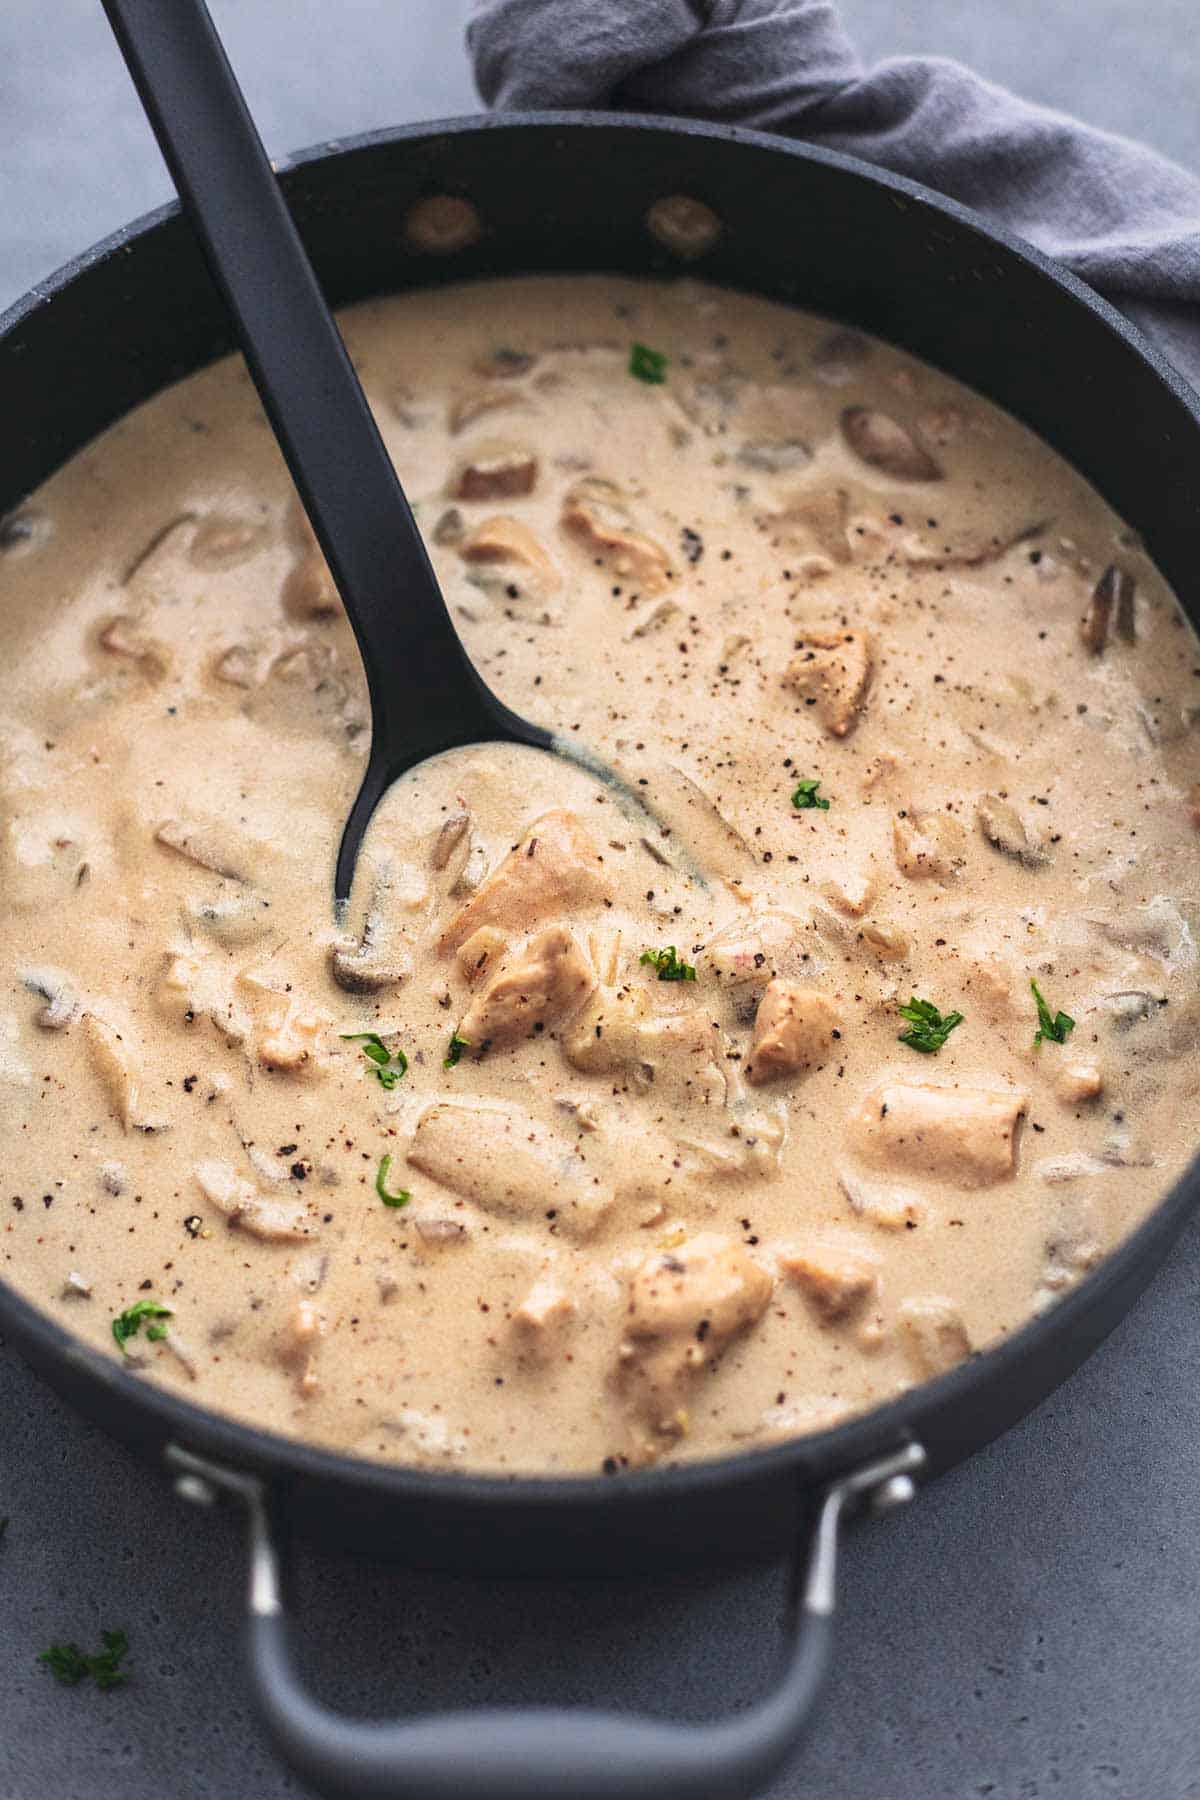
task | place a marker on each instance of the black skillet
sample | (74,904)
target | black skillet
(562,193)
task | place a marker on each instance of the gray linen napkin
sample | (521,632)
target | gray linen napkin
(1120,216)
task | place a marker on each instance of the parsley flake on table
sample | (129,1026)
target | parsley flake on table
(806,796)
(1056,1029)
(928,1028)
(401,1197)
(648,365)
(454,1052)
(127,1324)
(68,1664)
(387,1066)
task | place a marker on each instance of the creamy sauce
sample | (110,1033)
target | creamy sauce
(651,1213)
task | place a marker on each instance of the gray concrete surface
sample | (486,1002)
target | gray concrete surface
(1031,1629)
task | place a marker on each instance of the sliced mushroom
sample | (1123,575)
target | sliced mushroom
(119,1066)
(275,1220)
(882,444)
(449,528)
(54,987)
(309,590)
(451,834)
(204,844)
(505,364)
(495,471)
(1004,829)
(838,358)
(481,402)
(122,636)
(779,457)
(240,916)
(1114,593)
(372,962)
(831,671)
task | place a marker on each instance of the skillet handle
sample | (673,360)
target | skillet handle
(554,1753)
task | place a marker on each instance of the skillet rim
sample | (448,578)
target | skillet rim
(812,1456)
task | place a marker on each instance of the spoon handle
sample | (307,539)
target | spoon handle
(306,381)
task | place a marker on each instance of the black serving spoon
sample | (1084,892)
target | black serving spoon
(426,696)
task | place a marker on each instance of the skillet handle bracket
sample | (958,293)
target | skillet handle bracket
(556,1753)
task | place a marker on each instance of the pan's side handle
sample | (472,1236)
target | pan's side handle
(555,1753)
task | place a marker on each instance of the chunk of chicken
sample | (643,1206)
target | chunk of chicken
(508,1163)
(517,554)
(243,1205)
(685,1307)
(745,954)
(891,1208)
(494,471)
(119,1066)
(929,846)
(481,953)
(831,671)
(795,1029)
(965,1135)
(1077,1082)
(542,1315)
(595,513)
(934,1334)
(838,1282)
(616,1034)
(547,980)
(556,867)
(292,1038)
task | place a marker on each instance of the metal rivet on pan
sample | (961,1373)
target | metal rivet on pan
(684,226)
(896,1492)
(442,224)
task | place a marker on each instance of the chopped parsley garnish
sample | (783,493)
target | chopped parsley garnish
(454,1053)
(68,1664)
(806,796)
(1057,1028)
(130,1322)
(927,1028)
(387,1066)
(401,1197)
(668,964)
(648,365)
